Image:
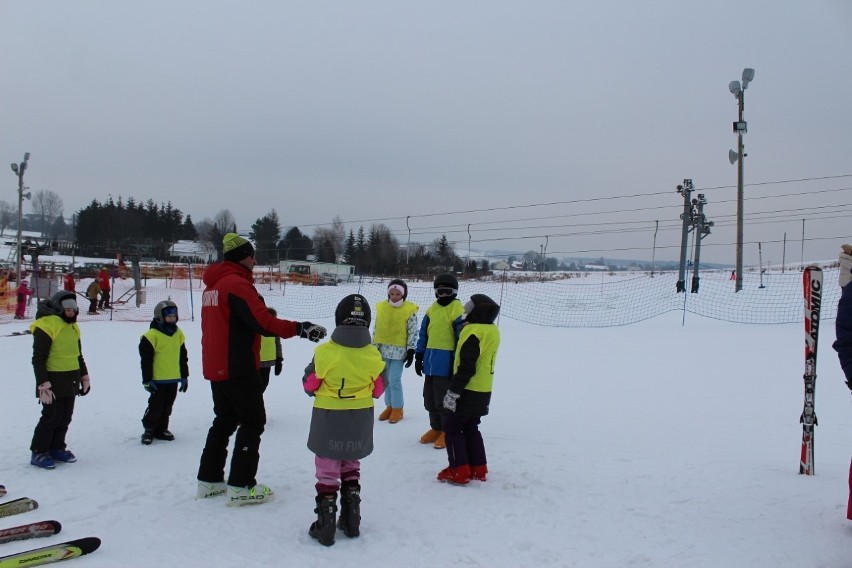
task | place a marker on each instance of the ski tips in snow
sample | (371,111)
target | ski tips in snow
(30,530)
(52,553)
(16,506)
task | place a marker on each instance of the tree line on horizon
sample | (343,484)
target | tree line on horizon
(149,229)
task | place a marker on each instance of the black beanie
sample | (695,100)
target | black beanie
(236,247)
(353,310)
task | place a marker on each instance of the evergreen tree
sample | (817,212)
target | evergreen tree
(295,245)
(350,252)
(265,232)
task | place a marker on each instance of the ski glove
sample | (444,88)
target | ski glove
(279,366)
(45,393)
(450,400)
(85,386)
(418,364)
(184,384)
(409,358)
(150,386)
(310,331)
(845,275)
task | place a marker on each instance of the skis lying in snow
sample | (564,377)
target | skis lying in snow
(812,280)
(52,553)
(16,333)
(21,505)
(30,530)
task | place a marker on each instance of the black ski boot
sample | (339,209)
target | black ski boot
(324,527)
(350,509)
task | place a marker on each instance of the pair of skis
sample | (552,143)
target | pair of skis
(45,554)
(812,280)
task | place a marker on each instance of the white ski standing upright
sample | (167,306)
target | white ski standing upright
(812,280)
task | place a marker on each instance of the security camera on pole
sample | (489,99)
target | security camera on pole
(740,128)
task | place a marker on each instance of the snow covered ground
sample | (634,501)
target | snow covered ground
(654,444)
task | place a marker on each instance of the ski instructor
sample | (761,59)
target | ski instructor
(233,317)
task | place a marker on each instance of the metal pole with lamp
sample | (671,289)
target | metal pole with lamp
(740,128)
(19,170)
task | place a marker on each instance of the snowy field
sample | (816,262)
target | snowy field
(654,444)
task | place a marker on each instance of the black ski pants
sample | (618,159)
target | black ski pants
(160,404)
(50,431)
(464,440)
(434,390)
(237,406)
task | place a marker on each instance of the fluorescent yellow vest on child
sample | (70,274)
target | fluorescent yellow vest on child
(65,350)
(166,353)
(391,323)
(440,330)
(355,390)
(489,340)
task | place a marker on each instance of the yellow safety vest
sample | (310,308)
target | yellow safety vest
(268,352)
(440,331)
(65,350)
(166,353)
(392,323)
(489,341)
(347,374)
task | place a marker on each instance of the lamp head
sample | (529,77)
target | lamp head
(733,156)
(748,76)
(734,87)
(15,168)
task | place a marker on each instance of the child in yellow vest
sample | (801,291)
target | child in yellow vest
(61,375)
(344,377)
(165,370)
(395,335)
(433,356)
(469,395)
(271,355)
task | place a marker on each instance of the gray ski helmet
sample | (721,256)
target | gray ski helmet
(158,310)
(353,310)
(446,281)
(53,306)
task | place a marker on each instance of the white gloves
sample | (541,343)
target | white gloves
(45,393)
(85,385)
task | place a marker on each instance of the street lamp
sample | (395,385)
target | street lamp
(740,128)
(19,170)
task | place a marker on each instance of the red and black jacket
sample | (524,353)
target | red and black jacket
(233,316)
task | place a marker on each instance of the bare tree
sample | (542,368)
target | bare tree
(7,216)
(48,205)
(224,221)
(203,229)
(338,229)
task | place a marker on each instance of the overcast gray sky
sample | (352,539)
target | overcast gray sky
(437,111)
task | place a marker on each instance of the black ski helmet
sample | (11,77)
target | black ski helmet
(446,280)
(353,310)
(481,309)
